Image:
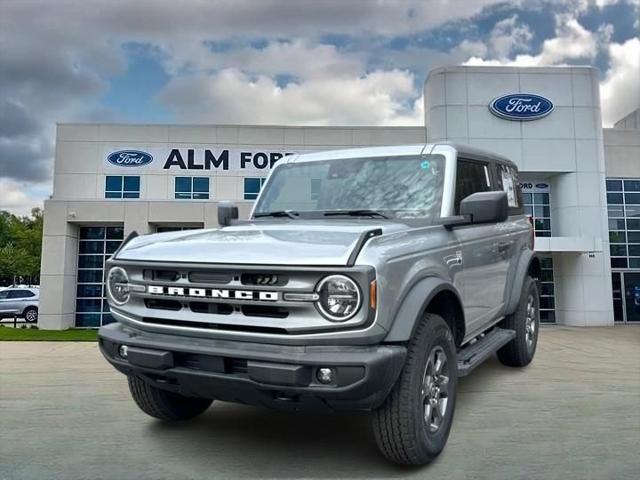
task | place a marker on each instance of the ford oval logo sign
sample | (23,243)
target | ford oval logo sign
(521,106)
(130,158)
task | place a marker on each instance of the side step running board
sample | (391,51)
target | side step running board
(474,354)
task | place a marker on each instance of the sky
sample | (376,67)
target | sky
(330,62)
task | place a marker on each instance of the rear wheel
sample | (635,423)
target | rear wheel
(525,321)
(165,405)
(30,314)
(413,424)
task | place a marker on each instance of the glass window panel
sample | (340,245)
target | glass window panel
(541,211)
(183,184)
(542,233)
(201,184)
(617,237)
(632,185)
(618,250)
(90,261)
(547,289)
(541,224)
(633,224)
(614,198)
(88,305)
(548,316)
(527,198)
(546,262)
(251,185)
(528,210)
(634,263)
(89,290)
(615,211)
(547,302)
(614,185)
(200,196)
(633,237)
(113,195)
(87,319)
(90,276)
(113,245)
(91,233)
(131,195)
(546,276)
(131,184)
(92,247)
(634,250)
(105,305)
(633,211)
(616,224)
(115,233)
(541,198)
(107,319)
(183,196)
(618,263)
(113,183)
(632,198)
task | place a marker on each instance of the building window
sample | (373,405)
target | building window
(96,244)
(624,222)
(192,188)
(252,187)
(122,186)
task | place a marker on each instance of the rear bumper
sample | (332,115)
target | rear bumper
(276,376)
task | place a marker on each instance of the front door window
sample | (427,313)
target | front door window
(632,296)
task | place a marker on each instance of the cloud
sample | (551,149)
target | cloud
(20,197)
(620,90)
(509,36)
(231,96)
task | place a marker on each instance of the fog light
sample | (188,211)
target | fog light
(325,375)
(123,351)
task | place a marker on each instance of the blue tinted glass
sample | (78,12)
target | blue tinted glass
(87,319)
(89,276)
(617,237)
(632,185)
(614,198)
(90,290)
(614,185)
(634,250)
(92,233)
(251,185)
(632,198)
(92,247)
(200,196)
(618,250)
(107,319)
(115,233)
(527,198)
(183,196)
(250,196)
(616,224)
(633,224)
(113,183)
(541,198)
(88,305)
(201,184)
(183,184)
(113,195)
(113,246)
(131,195)
(131,184)
(618,263)
(634,237)
(90,261)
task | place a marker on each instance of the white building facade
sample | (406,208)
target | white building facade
(110,180)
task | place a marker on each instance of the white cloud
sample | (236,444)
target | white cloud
(20,197)
(620,90)
(508,36)
(232,96)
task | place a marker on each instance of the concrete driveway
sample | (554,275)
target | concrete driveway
(573,414)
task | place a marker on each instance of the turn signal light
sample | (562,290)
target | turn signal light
(373,295)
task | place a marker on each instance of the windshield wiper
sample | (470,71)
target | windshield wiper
(356,213)
(279,213)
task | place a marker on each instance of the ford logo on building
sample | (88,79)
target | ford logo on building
(130,158)
(521,106)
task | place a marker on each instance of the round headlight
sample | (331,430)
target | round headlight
(339,299)
(118,285)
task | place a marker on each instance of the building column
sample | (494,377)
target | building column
(58,269)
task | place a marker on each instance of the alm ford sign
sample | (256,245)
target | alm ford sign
(521,106)
(130,158)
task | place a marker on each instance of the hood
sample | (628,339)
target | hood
(298,242)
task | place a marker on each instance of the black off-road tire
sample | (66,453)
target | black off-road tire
(520,351)
(30,314)
(165,405)
(399,424)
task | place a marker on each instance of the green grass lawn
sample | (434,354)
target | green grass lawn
(32,335)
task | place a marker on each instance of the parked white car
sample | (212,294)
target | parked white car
(21,302)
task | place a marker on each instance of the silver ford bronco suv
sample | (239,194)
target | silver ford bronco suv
(364,279)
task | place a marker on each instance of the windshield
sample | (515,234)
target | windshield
(396,186)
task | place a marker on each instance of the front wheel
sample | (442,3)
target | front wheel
(165,405)
(412,425)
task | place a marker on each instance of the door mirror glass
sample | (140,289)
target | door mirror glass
(486,207)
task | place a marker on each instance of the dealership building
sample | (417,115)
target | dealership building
(580,182)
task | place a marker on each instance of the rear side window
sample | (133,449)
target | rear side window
(20,294)
(471,177)
(507,180)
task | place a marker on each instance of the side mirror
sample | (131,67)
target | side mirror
(486,207)
(227,212)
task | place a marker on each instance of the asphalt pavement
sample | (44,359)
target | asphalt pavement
(573,414)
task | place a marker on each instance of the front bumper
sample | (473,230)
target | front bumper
(277,376)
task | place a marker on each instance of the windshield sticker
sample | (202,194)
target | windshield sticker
(425,164)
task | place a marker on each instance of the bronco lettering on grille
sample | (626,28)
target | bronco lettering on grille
(213,293)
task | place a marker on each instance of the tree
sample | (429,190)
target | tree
(20,245)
